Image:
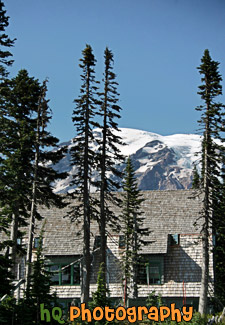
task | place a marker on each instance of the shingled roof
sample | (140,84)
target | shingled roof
(165,212)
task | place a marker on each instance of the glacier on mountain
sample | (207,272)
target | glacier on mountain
(160,162)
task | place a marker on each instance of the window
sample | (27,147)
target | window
(19,241)
(150,270)
(174,239)
(97,243)
(65,276)
(55,274)
(154,274)
(37,242)
(76,273)
(121,241)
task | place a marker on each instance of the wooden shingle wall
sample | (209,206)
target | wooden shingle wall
(164,212)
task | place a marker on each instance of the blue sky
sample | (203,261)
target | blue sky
(157,45)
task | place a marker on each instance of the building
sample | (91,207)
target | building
(173,258)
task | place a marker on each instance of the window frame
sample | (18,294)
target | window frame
(19,241)
(37,243)
(173,242)
(97,241)
(122,242)
(152,261)
(60,273)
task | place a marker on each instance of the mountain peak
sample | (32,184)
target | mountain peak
(160,162)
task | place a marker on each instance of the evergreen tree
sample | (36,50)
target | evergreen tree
(41,174)
(219,241)
(20,98)
(16,152)
(133,230)
(108,153)
(212,123)
(5,275)
(28,310)
(40,284)
(5,42)
(99,298)
(5,60)
(83,157)
(42,107)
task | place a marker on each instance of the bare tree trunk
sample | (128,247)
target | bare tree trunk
(205,252)
(86,265)
(31,228)
(13,238)
(205,272)
(34,190)
(102,193)
(135,256)
(205,230)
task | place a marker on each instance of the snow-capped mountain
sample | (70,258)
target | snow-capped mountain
(160,162)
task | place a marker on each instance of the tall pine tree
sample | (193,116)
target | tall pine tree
(5,61)
(16,148)
(212,122)
(133,230)
(109,153)
(5,43)
(20,97)
(42,175)
(83,157)
(219,239)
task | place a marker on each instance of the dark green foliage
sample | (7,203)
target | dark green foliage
(212,117)
(108,154)
(83,117)
(40,287)
(219,245)
(100,297)
(220,263)
(154,300)
(17,138)
(8,309)
(5,60)
(28,309)
(83,157)
(212,122)
(5,42)
(19,104)
(132,227)
(108,149)
(5,274)
(19,99)
(15,153)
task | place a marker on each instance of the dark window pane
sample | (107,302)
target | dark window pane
(97,242)
(76,273)
(142,274)
(121,241)
(174,239)
(66,275)
(55,275)
(149,273)
(154,275)
(37,242)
